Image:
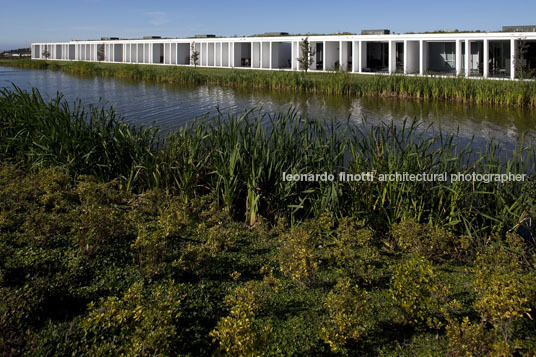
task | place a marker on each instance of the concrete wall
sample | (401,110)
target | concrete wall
(183,53)
(118,53)
(225,54)
(412,57)
(255,55)
(266,55)
(331,55)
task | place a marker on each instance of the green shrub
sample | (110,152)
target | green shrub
(505,286)
(298,259)
(241,333)
(353,249)
(348,316)
(432,242)
(418,292)
(469,339)
(144,321)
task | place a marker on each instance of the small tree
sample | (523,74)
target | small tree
(46,53)
(194,55)
(521,64)
(307,55)
(100,53)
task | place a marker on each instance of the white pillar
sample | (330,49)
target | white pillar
(362,55)
(260,54)
(458,57)
(270,61)
(323,55)
(231,54)
(340,56)
(392,57)
(421,57)
(467,58)
(406,56)
(229,49)
(512,59)
(486,58)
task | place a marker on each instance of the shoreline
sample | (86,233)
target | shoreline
(447,89)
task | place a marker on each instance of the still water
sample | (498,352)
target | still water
(169,107)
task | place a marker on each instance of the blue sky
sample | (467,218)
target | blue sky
(26,21)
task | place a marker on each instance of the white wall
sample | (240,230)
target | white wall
(225,54)
(412,56)
(266,55)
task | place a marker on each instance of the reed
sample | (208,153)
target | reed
(240,158)
(490,92)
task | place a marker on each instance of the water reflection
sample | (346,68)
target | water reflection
(171,106)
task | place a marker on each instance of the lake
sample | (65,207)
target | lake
(169,106)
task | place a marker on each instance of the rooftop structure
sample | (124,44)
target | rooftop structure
(472,54)
(519,28)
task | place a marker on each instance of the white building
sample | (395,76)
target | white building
(488,55)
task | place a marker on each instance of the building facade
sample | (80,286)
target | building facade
(485,55)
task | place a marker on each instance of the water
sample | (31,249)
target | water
(169,107)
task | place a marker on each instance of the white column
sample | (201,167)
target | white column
(362,55)
(271,44)
(458,57)
(392,57)
(323,55)
(467,58)
(340,55)
(231,54)
(486,58)
(406,56)
(260,54)
(229,48)
(421,57)
(221,54)
(353,57)
(512,59)
(292,56)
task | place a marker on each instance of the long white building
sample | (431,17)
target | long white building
(487,55)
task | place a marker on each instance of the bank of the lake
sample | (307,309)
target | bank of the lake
(242,162)
(113,241)
(479,91)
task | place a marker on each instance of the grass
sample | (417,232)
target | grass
(492,92)
(241,158)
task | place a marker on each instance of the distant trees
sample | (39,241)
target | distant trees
(307,55)
(194,55)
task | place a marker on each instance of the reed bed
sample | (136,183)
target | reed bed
(492,92)
(240,158)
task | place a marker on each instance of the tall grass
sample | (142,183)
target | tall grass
(240,159)
(511,93)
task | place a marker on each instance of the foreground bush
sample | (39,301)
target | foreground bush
(167,277)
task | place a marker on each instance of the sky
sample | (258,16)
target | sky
(26,21)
